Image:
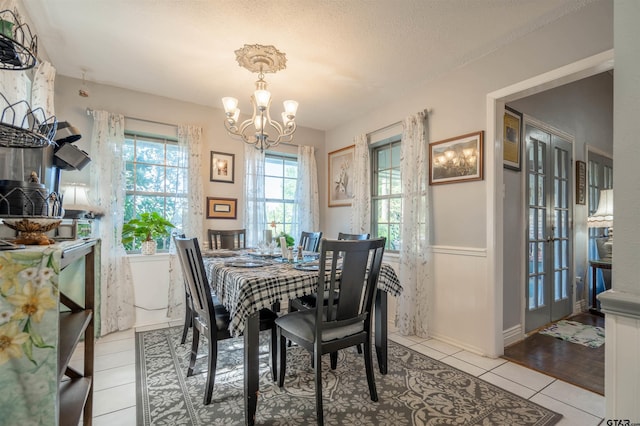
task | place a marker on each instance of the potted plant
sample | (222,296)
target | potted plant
(146,228)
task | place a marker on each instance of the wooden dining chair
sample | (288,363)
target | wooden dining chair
(310,240)
(352,269)
(210,317)
(229,239)
(308,301)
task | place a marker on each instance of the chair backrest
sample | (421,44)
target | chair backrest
(343,236)
(196,278)
(310,241)
(227,239)
(349,271)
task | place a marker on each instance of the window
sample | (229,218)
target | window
(155,179)
(280,180)
(386,201)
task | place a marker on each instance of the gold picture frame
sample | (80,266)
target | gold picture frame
(221,208)
(341,176)
(458,159)
(512,139)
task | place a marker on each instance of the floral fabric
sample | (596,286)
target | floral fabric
(361,204)
(308,204)
(414,264)
(29,335)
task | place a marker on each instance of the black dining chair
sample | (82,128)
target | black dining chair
(310,240)
(308,301)
(229,239)
(343,236)
(350,268)
(210,317)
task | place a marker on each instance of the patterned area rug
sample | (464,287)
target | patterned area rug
(417,390)
(576,332)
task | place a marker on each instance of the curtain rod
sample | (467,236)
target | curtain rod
(388,126)
(90,110)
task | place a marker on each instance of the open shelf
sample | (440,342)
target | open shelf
(74,325)
(73,398)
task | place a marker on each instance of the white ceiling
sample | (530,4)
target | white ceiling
(344,57)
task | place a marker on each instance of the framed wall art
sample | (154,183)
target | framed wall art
(458,159)
(581,182)
(221,208)
(222,167)
(341,176)
(512,139)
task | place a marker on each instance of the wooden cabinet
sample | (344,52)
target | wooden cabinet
(43,318)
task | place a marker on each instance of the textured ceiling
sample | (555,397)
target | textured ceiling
(344,57)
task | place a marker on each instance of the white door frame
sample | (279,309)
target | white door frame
(495,188)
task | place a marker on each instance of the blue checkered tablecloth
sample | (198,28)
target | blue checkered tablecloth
(244,291)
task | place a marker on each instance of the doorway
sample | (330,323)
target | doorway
(549,235)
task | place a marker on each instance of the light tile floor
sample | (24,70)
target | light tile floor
(115,388)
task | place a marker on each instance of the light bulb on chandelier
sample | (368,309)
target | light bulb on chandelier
(261,130)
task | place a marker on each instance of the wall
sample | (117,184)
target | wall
(71,107)
(462,214)
(151,294)
(583,109)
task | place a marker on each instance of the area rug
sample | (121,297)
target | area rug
(576,332)
(418,390)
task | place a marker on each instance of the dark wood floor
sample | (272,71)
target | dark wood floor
(570,362)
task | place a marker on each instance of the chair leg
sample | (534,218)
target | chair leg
(359,348)
(282,357)
(318,380)
(188,320)
(368,364)
(333,356)
(273,349)
(194,351)
(211,373)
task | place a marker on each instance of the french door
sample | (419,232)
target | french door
(549,231)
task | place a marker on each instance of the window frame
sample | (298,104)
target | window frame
(281,225)
(131,194)
(388,143)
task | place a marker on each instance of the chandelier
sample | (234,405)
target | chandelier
(260,130)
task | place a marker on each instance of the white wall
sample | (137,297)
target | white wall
(460,211)
(71,107)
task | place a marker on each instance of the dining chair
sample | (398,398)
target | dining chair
(210,317)
(227,239)
(343,236)
(310,240)
(308,301)
(188,305)
(352,269)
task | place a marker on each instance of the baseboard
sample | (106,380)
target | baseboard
(580,306)
(512,335)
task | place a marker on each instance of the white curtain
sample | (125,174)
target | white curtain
(108,193)
(361,204)
(191,223)
(255,215)
(415,261)
(308,205)
(42,88)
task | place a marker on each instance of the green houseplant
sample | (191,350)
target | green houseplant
(146,228)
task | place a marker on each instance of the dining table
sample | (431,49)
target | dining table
(247,281)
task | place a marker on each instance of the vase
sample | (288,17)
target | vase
(148,247)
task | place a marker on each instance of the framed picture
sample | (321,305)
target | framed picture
(512,139)
(221,208)
(458,159)
(341,176)
(222,167)
(581,182)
